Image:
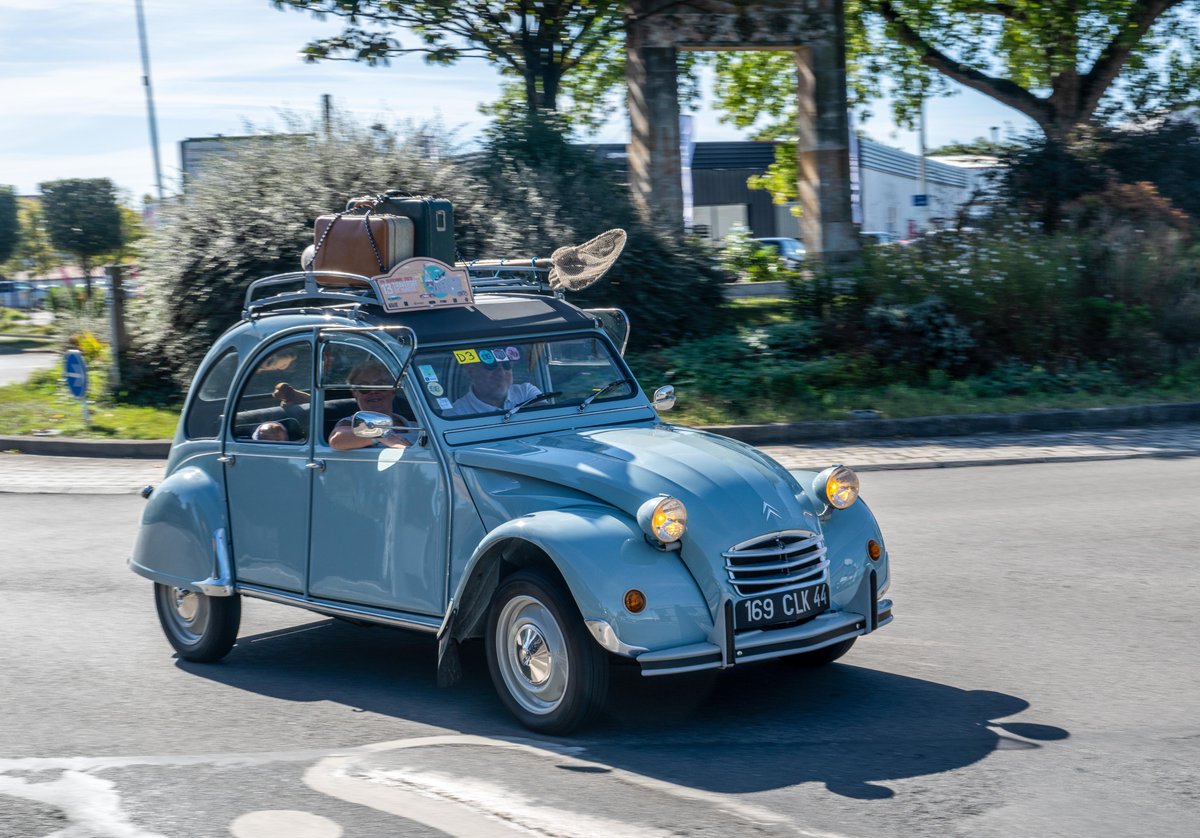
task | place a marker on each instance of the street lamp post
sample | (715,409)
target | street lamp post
(141,20)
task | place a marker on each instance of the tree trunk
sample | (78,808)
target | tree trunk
(87,277)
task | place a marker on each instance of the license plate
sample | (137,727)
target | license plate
(785,607)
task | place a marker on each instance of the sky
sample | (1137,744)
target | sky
(73,104)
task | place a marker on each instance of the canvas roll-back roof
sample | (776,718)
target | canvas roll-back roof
(490,316)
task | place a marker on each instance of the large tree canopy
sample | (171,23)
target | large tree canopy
(83,218)
(536,42)
(1062,63)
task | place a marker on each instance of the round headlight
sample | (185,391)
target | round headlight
(663,519)
(841,486)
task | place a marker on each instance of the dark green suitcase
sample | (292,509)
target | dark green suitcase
(433,222)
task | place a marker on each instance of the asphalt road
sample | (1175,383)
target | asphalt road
(1039,679)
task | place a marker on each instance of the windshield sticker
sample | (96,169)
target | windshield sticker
(427,372)
(466,356)
(434,388)
(500,353)
(513,353)
(486,356)
(444,404)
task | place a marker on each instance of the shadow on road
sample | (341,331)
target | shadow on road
(758,727)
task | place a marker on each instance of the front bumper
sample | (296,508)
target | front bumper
(745,647)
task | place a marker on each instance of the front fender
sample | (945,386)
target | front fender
(601,554)
(183,540)
(846,533)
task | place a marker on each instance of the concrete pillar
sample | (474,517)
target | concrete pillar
(823,150)
(654,164)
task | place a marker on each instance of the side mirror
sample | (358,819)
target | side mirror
(371,425)
(664,398)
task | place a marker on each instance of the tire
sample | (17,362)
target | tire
(547,669)
(823,656)
(201,628)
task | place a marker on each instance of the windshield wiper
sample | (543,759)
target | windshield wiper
(508,414)
(605,389)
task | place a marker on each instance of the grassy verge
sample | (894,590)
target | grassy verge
(14,322)
(43,406)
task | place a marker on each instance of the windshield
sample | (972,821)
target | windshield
(497,378)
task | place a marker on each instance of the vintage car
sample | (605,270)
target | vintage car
(511,482)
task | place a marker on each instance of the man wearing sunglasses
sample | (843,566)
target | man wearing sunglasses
(492,389)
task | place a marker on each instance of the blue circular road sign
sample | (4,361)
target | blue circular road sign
(76,371)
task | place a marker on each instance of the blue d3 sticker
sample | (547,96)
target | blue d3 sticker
(444,404)
(486,356)
(427,372)
(434,388)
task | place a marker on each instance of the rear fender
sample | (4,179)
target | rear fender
(600,555)
(184,537)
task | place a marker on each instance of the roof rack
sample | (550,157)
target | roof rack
(487,276)
(524,276)
(311,291)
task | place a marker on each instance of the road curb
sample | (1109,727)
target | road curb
(782,433)
(850,430)
(151,449)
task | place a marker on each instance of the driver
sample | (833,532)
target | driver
(492,389)
(369,373)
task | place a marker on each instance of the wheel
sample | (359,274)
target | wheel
(201,628)
(824,655)
(548,670)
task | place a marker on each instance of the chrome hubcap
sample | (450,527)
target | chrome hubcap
(185,613)
(186,604)
(532,654)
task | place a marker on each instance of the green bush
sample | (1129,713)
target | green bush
(535,192)
(744,258)
(527,193)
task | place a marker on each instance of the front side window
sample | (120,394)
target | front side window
(274,402)
(355,376)
(494,377)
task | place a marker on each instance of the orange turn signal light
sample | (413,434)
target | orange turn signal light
(635,601)
(874,550)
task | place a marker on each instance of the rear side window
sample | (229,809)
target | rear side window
(208,406)
(275,400)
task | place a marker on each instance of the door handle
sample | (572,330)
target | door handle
(228,459)
(316,465)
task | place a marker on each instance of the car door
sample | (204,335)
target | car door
(267,479)
(379,515)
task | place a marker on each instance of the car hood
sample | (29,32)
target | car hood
(732,491)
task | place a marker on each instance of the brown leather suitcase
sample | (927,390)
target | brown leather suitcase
(347,248)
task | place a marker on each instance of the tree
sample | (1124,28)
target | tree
(33,252)
(1062,64)
(9,229)
(537,42)
(83,218)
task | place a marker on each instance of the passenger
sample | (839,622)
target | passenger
(370,373)
(270,432)
(492,389)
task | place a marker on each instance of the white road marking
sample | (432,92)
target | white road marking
(438,800)
(91,803)
(456,805)
(284,823)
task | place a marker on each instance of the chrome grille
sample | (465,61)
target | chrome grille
(776,561)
